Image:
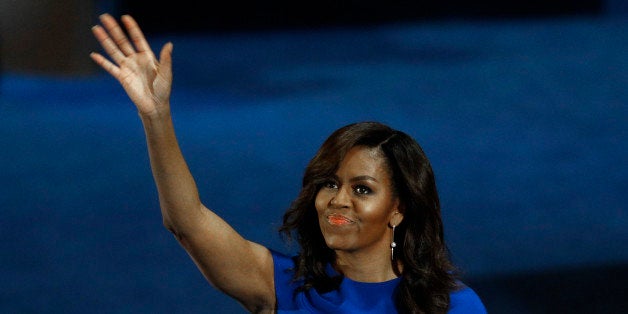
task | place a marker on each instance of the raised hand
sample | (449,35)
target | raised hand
(145,79)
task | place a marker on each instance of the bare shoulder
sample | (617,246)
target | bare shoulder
(259,284)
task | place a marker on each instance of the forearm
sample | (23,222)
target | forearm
(216,248)
(234,265)
(178,194)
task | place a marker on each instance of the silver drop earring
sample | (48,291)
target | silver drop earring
(393,245)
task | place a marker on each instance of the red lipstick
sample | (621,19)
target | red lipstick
(338,220)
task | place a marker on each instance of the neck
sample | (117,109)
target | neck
(365,267)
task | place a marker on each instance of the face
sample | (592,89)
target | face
(357,206)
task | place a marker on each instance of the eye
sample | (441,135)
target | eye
(330,185)
(362,189)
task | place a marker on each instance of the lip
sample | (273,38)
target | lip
(339,220)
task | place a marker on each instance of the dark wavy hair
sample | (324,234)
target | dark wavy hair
(421,256)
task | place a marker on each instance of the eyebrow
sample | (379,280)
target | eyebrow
(362,178)
(357,179)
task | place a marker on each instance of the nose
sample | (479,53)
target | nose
(342,198)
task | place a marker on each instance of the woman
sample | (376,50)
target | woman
(367,218)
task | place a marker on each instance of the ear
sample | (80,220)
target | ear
(396,216)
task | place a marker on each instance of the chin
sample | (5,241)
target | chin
(336,242)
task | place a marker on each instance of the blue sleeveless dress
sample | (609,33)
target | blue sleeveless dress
(353,296)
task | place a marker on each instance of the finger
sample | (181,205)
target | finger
(105,64)
(108,44)
(117,34)
(165,58)
(136,34)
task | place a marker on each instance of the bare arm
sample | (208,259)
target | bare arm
(240,268)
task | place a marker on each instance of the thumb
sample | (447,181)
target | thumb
(165,57)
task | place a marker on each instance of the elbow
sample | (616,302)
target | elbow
(170,226)
(178,233)
(174,231)
(168,222)
(179,223)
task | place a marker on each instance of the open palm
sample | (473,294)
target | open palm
(145,79)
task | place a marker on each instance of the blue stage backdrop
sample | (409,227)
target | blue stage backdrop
(524,120)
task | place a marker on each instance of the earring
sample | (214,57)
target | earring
(393,245)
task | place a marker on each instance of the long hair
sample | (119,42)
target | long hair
(428,276)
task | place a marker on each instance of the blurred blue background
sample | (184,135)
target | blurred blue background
(522,109)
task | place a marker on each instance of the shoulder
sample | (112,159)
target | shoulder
(285,286)
(465,300)
(281,260)
(284,266)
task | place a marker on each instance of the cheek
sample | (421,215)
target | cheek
(320,201)
(376,212)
